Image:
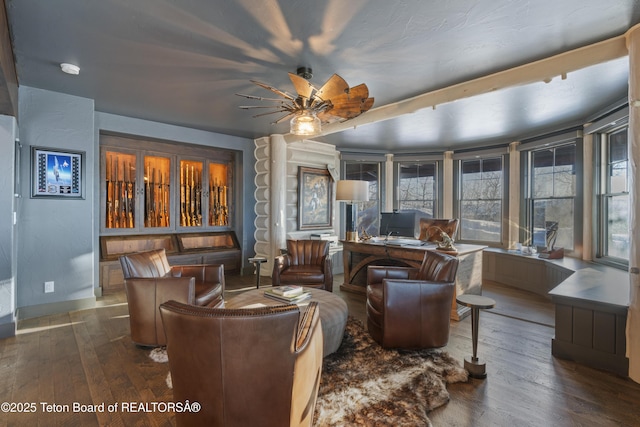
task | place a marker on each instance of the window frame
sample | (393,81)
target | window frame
(349,159)
(491,153)
(437,186)
(552,141)
(602,183)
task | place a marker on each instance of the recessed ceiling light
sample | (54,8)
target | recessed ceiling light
(70,69)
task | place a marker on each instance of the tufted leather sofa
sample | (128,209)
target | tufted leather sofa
(149,280)
(306,263)
(245,367)
(410,308)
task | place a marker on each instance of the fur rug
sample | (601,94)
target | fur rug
(364,384)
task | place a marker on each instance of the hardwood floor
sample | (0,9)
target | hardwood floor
(87,357)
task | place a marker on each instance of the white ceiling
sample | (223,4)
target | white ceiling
(183,61)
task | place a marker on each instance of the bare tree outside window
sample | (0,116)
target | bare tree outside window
(553,189)
(615,197)
(481,188)
(417,187)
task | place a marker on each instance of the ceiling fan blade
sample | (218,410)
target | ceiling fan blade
(335,86)
(286,116)
(274,90)
(361,91)
(303,87)
(260,98)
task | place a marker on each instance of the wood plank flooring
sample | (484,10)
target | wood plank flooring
(87,357)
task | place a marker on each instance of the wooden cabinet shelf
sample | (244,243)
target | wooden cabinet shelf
(197,248)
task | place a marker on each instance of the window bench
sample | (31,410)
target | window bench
(591,302)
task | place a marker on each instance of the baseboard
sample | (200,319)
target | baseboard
(55,308)
(618,364)
(8,330)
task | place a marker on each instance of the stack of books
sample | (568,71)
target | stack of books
(289,294)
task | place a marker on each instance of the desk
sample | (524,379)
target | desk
(357,256)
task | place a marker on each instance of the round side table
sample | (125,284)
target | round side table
(476,368)
(257,262)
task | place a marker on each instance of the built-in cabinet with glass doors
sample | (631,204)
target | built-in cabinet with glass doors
(152,189)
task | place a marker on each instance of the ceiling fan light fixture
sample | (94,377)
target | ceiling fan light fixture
(305,123)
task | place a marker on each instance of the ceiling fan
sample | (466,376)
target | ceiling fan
(334,101)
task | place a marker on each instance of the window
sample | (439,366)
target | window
(417,187)
(368,212)
(551,195)
(613,209)
(481,191)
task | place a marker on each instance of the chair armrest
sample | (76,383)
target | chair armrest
(144,297)
(308,365)
(211,273)
(279,263)
(328,273)
(376,273)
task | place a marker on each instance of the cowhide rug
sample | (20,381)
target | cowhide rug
(364,384)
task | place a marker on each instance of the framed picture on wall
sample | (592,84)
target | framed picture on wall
(315,198)
(57,173)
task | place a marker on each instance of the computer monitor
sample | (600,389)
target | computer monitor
(401,223)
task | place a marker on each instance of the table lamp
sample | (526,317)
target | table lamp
(352,191)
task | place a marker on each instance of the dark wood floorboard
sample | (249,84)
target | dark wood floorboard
(87,357)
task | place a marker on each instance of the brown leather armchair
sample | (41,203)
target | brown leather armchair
(246,367)
(410,308)
(149,280)
(306,263)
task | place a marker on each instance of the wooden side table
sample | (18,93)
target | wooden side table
(476,368)
(257,262)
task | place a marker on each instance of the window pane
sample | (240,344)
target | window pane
(618,177)
(481,220)
(618,146)
(481,200)
(618,226)
(564,181)
(368,212)
(542,176)
(417,186)
(557,210)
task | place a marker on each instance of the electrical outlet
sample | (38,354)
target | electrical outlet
(48,287)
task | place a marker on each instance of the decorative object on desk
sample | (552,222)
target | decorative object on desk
(352,192)
(57,173)
(551,252)
(315,198)
(445,243)
(364,384)
(364,236)
(429,234)
(295,299)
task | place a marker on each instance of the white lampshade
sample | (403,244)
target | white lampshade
(352,191)
(305,123)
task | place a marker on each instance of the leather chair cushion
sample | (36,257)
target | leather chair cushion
(208,295)
(303,273)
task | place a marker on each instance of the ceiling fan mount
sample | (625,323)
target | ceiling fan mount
(305,72)
(333,102)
